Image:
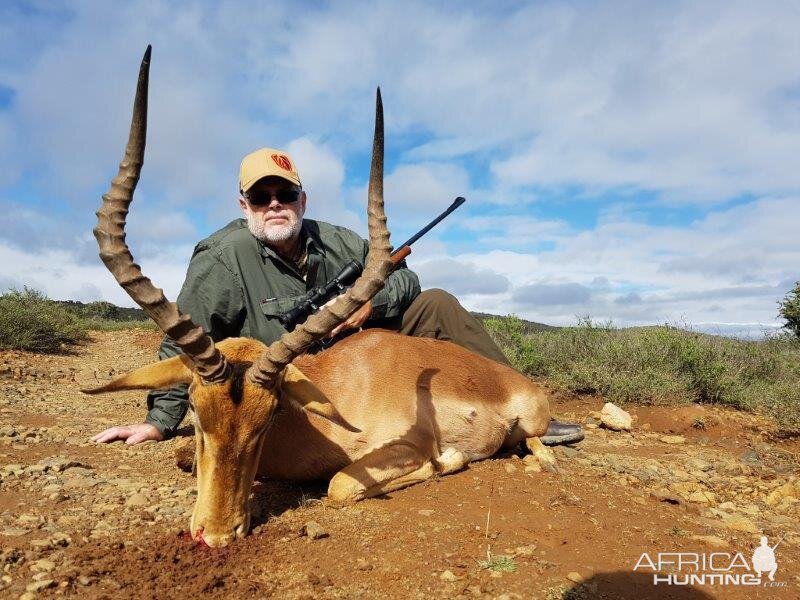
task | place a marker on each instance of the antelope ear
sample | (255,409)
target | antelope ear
(301,391)
(163,374)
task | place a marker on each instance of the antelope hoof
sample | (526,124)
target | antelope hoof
(543,454)
(344,490)
(451,460)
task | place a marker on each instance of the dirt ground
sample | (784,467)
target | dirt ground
(88,521)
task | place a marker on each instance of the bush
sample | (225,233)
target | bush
(31,321)
(661,365)
(789,309)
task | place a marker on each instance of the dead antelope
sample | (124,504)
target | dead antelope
(376,412)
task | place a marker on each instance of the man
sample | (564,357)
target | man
(241,278)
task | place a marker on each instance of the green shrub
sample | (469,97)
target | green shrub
(31,321)
(661,365)
(789,309)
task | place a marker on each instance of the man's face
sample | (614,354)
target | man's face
(274,222)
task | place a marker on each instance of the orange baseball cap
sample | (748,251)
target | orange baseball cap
(267,162)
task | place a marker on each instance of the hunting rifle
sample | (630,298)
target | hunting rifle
(317,297)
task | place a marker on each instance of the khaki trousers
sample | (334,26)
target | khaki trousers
(438,314)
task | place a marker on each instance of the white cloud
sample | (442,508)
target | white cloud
(460,277)
(59,275)
(696,102)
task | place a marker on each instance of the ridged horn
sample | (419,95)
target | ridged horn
(115,254)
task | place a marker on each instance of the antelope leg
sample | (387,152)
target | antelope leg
(450,461)
(389,468)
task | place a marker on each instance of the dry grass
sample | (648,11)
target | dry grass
(661,365)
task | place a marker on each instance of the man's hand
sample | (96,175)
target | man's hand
(132,434)
(356,320)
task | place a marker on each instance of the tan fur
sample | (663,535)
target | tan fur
(376,412)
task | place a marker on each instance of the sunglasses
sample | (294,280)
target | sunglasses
(264,197)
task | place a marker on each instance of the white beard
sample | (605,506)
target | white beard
(271,234)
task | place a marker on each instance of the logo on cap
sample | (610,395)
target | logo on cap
(282,161)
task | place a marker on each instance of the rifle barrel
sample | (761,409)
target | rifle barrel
(456,203)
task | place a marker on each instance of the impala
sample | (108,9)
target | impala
(375,413)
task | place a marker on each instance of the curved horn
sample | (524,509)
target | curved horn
(110,235)
(266,369)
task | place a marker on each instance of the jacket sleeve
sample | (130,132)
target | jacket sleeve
(213,298)
(402,286)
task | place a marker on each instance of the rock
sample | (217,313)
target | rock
(711,540)
(78,472)
(702,497)
(448,576)
(137,500)
(42,584)
(363,565)
(672,439)
(44,565)
(739,523)
(575,577)
(314,531)
(613,417)
(41,544)
(750,457)
(790,491)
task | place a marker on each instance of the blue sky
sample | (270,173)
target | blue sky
(633,161)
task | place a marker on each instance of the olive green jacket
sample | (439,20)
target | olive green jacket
(236,287)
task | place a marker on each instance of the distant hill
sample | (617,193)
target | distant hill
(103,310)
(528,326)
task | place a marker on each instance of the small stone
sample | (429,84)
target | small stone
(44,565)
(448,576)
(41,544)
(575,577)
(750,457)
(702,497)
(613,417)
(84,580)
(28,596)
(672,439)
(363,565)
(43,584)
(426,512)
(78,472)
(137,500)
(739,523)
(314,531)
(510,468)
